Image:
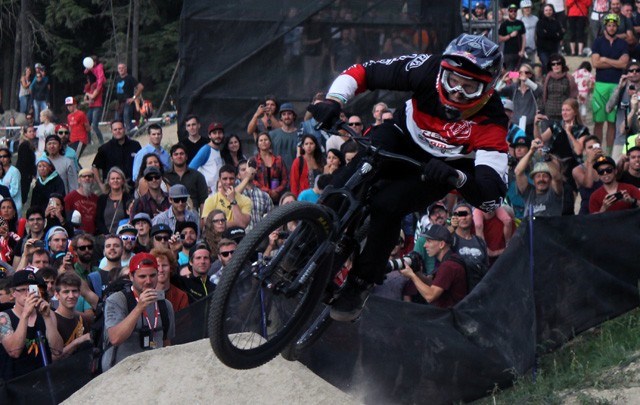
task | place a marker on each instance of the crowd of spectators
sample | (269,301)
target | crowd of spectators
(147,231)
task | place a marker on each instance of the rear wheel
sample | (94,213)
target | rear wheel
(261,303)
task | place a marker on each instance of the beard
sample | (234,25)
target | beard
(87,188)
(188,245)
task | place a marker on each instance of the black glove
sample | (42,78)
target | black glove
(438,171)
(326,112)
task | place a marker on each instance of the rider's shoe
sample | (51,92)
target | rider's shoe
(349,304)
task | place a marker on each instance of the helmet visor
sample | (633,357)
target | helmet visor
(455,82)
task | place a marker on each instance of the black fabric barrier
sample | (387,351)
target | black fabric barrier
(232,54)
(52,384)
(584,272)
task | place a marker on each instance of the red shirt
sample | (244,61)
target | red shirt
(177,298)
(86,206)
(598,196)
(77,121)
(452,278)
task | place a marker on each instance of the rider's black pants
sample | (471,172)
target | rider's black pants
(398,192)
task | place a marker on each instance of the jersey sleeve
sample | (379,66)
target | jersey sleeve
(403,73)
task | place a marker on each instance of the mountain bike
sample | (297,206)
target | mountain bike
(264,304)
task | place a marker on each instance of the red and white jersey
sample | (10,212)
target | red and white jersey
(481,137)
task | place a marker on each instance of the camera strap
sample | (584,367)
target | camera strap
(144,314)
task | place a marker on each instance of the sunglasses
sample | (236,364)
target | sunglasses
(128,238)
(152,177)
(63,132)
(179,200)
(355,124)
(556,63)
(608,170)
(85,248)
(461,213)
(161,238)
(633,70)
(226,254)
(525,72)
(5,156)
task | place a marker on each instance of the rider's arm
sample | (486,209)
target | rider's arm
(403,73)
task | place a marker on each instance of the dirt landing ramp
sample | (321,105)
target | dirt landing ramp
(191,374)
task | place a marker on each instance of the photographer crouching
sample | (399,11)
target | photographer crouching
(449,285)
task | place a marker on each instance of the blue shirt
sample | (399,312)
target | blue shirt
(615,50)
(162,155)
(308,195)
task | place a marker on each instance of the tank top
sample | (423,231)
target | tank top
(31,358)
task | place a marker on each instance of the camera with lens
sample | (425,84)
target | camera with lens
(412,259)
(512,161)
(283,234)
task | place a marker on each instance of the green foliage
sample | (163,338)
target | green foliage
(69,14)
(592,360)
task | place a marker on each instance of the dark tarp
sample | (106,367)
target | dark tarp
(584,273)
(232,54)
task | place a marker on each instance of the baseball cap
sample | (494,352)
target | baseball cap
(287,107)
(178,191)
(24,277)
(215,125)
(435,206)
(69,101)
(151,170)
(438,232)
(512,7)
(52,137)
(199,245)
(141,216)
(61,126)
(140,260)
(525,3)
(235,233)
(187,224)
(480,4)
(56,230)
(160,228)
(604,160)
(521,141)
(126,228)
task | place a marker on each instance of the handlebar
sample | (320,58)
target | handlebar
(366,142)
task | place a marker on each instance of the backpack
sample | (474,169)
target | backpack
(97,328)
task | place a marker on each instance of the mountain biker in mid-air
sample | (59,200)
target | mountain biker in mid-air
(453,122)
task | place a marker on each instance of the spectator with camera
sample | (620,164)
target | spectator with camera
(585,175)
(563,139)
(31,321)
(612,195)
(525,94)
(449,285)
(138,319)
(545,195)
(625,99)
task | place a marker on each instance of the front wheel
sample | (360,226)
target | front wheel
(262,301)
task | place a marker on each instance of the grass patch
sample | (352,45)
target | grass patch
(594,360)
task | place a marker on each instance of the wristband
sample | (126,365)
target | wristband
(234,202)
(338,97)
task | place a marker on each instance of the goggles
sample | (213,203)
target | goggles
(455,82)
